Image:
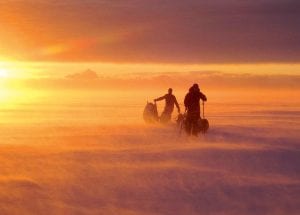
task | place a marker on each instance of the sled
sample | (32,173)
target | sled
(150,113)
(202,124)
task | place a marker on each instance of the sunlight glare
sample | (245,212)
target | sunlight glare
(3,73)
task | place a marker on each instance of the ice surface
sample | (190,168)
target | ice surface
(98,157)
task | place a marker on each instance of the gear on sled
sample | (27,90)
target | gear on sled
(186,123)
(150,113)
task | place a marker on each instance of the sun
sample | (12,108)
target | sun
(3,73)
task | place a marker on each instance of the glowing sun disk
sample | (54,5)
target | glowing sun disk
(3,73)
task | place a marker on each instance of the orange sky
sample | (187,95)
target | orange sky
(139,31)
(242,41)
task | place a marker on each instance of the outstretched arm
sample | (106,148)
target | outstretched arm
(160,98)
(203,97)
(177,105)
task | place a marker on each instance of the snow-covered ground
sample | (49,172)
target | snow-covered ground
(62,159)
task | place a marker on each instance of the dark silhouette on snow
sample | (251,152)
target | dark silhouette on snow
(169,106)
(192,105)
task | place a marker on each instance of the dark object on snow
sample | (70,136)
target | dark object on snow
(193,122)
(202,125)
(150,113)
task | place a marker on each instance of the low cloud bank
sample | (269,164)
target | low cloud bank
(212,80)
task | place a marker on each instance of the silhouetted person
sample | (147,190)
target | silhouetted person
(192,105)
(169,106)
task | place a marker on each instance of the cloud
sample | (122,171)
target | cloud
(90,79)
(153,31)
(82,76)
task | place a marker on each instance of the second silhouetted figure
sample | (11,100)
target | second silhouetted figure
(169,106)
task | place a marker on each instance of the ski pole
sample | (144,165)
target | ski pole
(203,109)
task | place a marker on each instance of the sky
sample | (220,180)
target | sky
(156,31)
